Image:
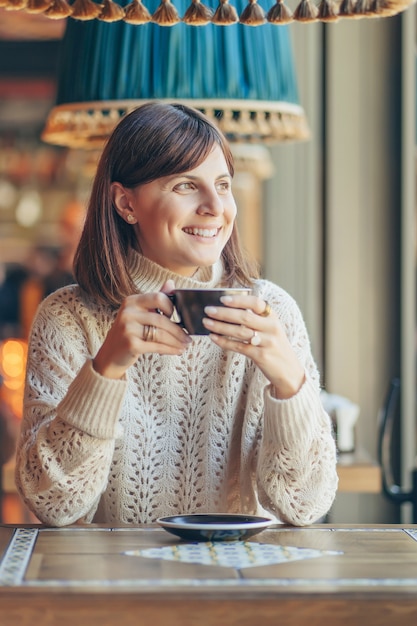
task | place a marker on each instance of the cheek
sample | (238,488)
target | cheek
(231,223)
(232,211)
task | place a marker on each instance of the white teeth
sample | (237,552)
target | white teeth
(201,232)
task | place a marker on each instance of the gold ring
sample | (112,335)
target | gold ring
(256,340)
(267,310)
(149,333)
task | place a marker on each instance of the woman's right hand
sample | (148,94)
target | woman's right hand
(130,335)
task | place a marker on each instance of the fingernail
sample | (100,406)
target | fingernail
(210,309)
(226,299)
(208,322)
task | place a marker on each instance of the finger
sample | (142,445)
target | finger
(237,332)
(157,339)
(256,304)
(235,345)
(131,321)
(170,328)
(243,317)
(156,301)
(168,286)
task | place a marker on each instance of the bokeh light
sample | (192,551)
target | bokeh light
(13,355)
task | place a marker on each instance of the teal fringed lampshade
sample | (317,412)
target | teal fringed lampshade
(242,77)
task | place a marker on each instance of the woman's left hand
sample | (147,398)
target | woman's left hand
(248,325)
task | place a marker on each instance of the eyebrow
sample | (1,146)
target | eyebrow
(191,177)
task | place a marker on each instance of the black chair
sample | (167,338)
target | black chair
(391,490)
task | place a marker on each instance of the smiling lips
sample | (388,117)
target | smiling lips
(202,232)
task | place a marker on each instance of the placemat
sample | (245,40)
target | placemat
(237,554)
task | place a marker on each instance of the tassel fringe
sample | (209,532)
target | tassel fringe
(363,8)
(111,12)
(376,8)
(15,5)
(166,14)
(87,126)
(197,14)
(279,13)
(137,13)
(225,14)
(347,8)
(37,6)
(59,10)
(85,10)
(328,11)
(252,14)
(306,12)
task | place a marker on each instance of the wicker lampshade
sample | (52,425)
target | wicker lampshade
(242,77)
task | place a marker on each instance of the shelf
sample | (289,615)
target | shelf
(358,473)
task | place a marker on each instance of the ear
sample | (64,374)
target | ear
(121,202)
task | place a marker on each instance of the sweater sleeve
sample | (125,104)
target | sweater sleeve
(70,422)
(296,461)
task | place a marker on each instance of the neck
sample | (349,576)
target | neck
(150,276)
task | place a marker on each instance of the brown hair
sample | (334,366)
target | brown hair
(152,141)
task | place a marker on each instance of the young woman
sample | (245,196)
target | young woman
(127,418)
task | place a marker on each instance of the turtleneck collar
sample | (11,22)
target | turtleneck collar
(149,276)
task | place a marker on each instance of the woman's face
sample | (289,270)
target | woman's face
(185,220)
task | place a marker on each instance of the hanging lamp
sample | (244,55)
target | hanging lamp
(241,77)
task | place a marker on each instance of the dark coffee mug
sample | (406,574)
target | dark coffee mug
(190,303)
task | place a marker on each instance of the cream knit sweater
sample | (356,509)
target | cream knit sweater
(180,434)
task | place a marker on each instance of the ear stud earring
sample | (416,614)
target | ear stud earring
(130,218)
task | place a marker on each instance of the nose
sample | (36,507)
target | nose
(211,203)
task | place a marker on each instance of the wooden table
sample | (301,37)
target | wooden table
(100,576)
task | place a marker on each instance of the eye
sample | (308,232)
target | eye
(184,186)
(223,186)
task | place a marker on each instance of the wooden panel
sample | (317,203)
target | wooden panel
(363,555)
(97,554)
(129,610)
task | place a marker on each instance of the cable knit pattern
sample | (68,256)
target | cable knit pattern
(180,434)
